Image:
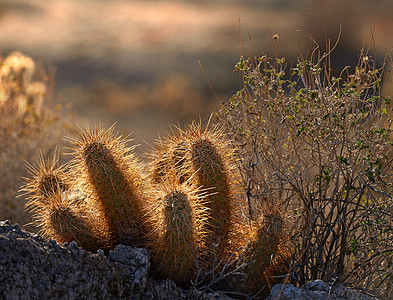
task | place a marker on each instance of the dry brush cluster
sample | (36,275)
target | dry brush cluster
(28,126)
(321,147)
(186,207)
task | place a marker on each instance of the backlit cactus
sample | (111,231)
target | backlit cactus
(266,238)
(184,209)
(210,162)
(47,179)
(205,156)
(61,210)
(179,216)
(169,159)
(67,218)
(111,173)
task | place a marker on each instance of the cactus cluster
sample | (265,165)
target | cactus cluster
(186,206)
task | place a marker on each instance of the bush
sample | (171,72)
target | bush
(28,126)
(320,147)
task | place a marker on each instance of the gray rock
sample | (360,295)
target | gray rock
(32,267)
(316,290)
(166,290)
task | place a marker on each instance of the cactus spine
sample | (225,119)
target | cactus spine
(46,179)
(266,239)
(67,219)
(111,173)
(187,213)
(204,156)
(210,162)
(169,159)
(179,217)
(62,213)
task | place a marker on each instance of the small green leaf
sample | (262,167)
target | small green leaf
(342,159)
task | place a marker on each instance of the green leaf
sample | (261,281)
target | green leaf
(342,159)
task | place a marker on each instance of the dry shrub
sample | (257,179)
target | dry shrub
(27,127)
(320,147)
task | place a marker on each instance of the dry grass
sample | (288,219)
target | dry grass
(27,128)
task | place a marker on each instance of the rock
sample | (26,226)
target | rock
(166,290)
(32,267)
(316,290)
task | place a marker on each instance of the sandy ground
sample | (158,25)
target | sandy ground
(137,62)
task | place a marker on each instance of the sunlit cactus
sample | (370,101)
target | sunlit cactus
(60,210)
(169,159)
(179,216)
(66,218)
(111,173)
(210,160)
(185,210)
(47,178)
(204,155)
(266,241)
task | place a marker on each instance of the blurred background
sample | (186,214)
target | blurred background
(139,63)
(148,64)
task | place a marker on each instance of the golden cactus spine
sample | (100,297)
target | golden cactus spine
(169,159)
(210,162)
(111,173)
(46,179)
(266,241)
(66,218)
(61,213)
(104,202)
(179,217)
(205,156)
